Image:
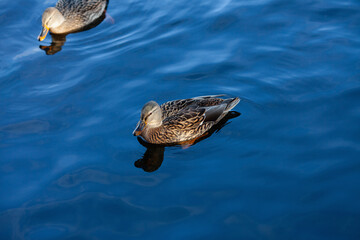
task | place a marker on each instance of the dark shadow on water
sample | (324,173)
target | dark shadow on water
(152,158)
(154,155)
(58,40)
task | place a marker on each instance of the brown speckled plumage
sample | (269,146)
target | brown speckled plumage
(78,14)
(186,119)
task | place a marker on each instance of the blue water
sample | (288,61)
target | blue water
(287,168)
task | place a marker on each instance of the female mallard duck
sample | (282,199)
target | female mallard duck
(71,16)
(182,120)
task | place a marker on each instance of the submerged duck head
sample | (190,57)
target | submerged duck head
(150,117)
(51,18)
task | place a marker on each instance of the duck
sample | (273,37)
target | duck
(71,16)
(182,121)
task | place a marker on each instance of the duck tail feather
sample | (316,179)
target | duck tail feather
(232,103)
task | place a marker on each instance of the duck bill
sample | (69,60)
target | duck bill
(43,33)
(139,128)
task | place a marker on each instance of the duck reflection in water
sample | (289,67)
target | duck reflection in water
(154,155)
(70,16)
(56,45)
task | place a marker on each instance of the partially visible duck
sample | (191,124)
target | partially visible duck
(71,16)
(182,120)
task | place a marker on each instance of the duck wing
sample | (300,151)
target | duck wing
(216,108)
(189,118)
(190,122)
(171,108)
(212,104)
(194,117)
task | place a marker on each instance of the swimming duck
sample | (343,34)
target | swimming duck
(71,16)
(182,120)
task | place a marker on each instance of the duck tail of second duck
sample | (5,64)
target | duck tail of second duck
(232,102)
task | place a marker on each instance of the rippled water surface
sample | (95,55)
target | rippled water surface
(287,168)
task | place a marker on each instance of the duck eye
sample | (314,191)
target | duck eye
(148,116)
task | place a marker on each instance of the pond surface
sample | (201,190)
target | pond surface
(287,168)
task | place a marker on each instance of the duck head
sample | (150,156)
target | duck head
(150,117)
(51,18)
